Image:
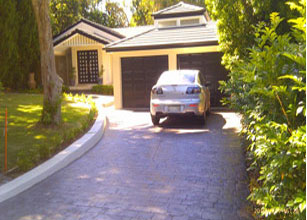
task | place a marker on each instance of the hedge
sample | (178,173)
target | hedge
(269,89)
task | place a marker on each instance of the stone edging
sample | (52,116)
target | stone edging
(57,162)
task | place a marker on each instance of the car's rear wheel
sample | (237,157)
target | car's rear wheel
(203,118)
(155,120)
(208,111)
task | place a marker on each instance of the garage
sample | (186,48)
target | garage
(210,65)
(139,74)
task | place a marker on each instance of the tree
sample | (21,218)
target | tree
(64,13)
(8,45)
(116,16)
(28,46)
(236,21)
(141,12)
(19,43)
(52,83)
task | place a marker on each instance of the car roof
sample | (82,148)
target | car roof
(182,71)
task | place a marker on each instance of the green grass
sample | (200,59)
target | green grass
(27,139)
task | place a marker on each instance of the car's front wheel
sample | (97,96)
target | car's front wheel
(155,120)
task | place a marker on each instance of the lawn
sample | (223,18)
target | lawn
(29,142)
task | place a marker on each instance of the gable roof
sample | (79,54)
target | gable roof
(184,36)
(179,10)
(89,29)
(132,31)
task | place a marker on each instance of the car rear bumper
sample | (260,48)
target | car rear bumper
(163,108)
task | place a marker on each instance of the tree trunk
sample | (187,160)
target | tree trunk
(52,83)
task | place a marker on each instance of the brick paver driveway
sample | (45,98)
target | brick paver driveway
(177,171)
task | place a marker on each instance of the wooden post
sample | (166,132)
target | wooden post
(5,142)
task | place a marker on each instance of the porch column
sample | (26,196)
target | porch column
(117,81)
(172,61)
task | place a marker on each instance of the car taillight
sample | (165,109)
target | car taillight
(193,90)
(157,91)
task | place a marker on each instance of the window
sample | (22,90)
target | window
(177,77)
(167,23)
(189,21)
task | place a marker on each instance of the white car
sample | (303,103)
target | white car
(180,92)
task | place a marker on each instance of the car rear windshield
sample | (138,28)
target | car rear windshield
(177,77)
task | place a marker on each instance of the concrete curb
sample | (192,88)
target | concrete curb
(59,161)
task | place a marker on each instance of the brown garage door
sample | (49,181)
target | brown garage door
(210,65)
(139,74)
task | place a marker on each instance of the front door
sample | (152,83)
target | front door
(88,66)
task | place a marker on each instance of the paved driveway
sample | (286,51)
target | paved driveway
(177,171)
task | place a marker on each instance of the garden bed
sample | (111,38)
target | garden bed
(31,143)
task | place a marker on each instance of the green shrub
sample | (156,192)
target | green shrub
(26,159)
(103,89)
(1,87)
(65,89)
(269,89)
(44,152)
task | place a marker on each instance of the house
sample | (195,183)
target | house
(183,36)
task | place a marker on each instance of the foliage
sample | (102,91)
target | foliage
(103,89)
(141,12)
(28,141)
(28,47)
(65,89)
(64,13)
(236,19)
(49,110)
(116,16)
(269,88)
(19,44)
(8,36)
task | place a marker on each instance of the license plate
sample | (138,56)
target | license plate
(174,109)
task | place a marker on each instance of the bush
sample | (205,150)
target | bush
(269,89)
(65,89)
(103,89)
(26,159)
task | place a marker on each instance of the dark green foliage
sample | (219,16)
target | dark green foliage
(19,43)
(64,13)
(268,87)
(65,89)
(103,89)
(28,46)
(26,159)
(49,110)
(8,43)
(236,20)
